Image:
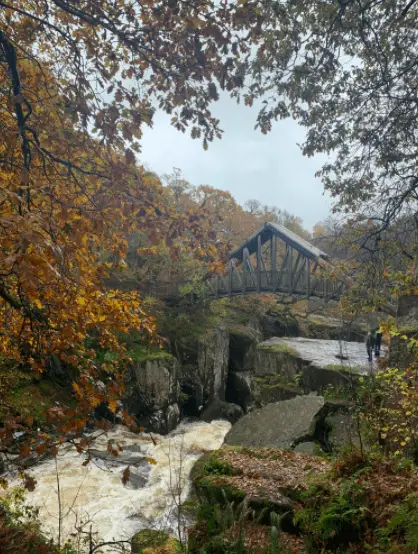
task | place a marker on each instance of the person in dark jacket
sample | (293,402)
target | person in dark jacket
(373,342)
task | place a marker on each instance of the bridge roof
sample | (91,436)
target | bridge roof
(289,237)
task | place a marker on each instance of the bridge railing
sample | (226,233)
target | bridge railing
(275,282)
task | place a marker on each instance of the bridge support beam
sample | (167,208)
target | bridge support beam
(259,262)
(273,260)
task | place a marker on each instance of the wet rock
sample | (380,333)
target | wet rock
(137,479)
(153,384)
(308,447)
(271,388)
(242,347)
(162,421)
(317,363)
(153,393)
(124,457)
(239,388)
(172,417)
(342,430)
(318,326)
(278,325)
(213,363)
(203,377)
(218,409)
(278,425)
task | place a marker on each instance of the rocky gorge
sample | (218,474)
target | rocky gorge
(241,383)
(243,365)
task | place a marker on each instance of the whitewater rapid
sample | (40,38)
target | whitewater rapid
(93,497)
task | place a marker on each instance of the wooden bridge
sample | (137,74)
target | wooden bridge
(276,260)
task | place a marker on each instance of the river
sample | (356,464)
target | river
(93,497)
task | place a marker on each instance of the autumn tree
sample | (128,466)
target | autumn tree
(78,81)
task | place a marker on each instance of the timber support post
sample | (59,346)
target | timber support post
(259,263)
(273,261)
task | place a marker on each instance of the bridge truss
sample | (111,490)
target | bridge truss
(276,260)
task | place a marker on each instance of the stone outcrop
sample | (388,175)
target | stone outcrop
(279,425)
(203,378)
(212,364)
(228,371)
(243,347)
(153,393)
(316,363)
(240,386)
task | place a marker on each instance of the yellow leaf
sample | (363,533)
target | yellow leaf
(152,461)
(81,301)
(113,405)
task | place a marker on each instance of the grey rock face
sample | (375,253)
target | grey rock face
(343,430)
(278,425)
(242,344)
(322,353)
(240,388)
(213,363)
(153,393)
(205,378)
(153,385)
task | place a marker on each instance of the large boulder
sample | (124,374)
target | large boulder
(218,409)
(279,425)
(153,393)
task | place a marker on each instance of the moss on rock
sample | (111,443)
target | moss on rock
(153,541)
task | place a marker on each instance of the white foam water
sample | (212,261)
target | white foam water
(93,498)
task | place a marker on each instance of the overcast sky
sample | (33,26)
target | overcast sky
(248,164)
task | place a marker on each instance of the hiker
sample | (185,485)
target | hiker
(373,342)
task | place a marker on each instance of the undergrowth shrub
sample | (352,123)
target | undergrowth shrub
(403,526)
(333,516)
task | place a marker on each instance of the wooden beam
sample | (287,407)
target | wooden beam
(296,281)
(281,270)
(244,271)
(293,271)
(273,260)
(248,260)
(308,278)
(259,256)
(290,266)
